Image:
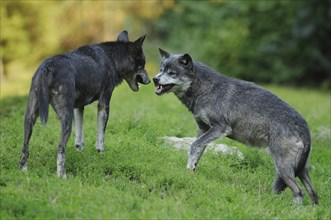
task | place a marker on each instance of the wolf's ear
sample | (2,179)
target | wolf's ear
(164,54)
(186,60)
(123,37)
(140,40)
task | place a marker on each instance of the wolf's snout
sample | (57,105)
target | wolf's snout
(143,78)
(156,80)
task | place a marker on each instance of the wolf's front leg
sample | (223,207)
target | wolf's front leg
(79,134)
(103,112)
(199,145)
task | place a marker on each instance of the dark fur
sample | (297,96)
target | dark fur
(72,80)
(243,111)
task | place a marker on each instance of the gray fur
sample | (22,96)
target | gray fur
(242,111)
(75,79)
(79,133)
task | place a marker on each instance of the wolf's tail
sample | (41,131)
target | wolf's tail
(43,93)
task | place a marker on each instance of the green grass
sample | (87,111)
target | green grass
(139,176)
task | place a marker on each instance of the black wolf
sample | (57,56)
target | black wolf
(72,80)
(243,111)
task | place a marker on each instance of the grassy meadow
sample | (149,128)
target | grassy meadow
(140,177)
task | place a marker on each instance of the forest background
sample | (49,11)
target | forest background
(282,45)
(278,42)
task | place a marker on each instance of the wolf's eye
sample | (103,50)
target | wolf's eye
(172,74)
(140,67)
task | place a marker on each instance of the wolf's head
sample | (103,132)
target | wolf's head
(134,70)
(175,75)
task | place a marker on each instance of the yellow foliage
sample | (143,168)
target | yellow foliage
(34,30)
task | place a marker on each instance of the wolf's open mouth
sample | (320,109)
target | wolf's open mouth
(160,89)
(141,80)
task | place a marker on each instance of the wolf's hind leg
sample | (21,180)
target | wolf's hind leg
(66,125)
(285,168)
(30,117)
(290,156)
(290,181)
(305,179)
(63,103)
(79,133)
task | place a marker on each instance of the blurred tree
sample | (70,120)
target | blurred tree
(31,31)
(311,33)
(34,30)
(265,41)
(18,29)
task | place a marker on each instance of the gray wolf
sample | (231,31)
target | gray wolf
(75,79)
(242,111)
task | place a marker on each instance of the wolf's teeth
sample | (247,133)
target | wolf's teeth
(158,88)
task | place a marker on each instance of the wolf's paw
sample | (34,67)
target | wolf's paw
(191,166)
(62,174)
(100,150)
(297,201)
(79,147)
(24,168)
(99,147)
